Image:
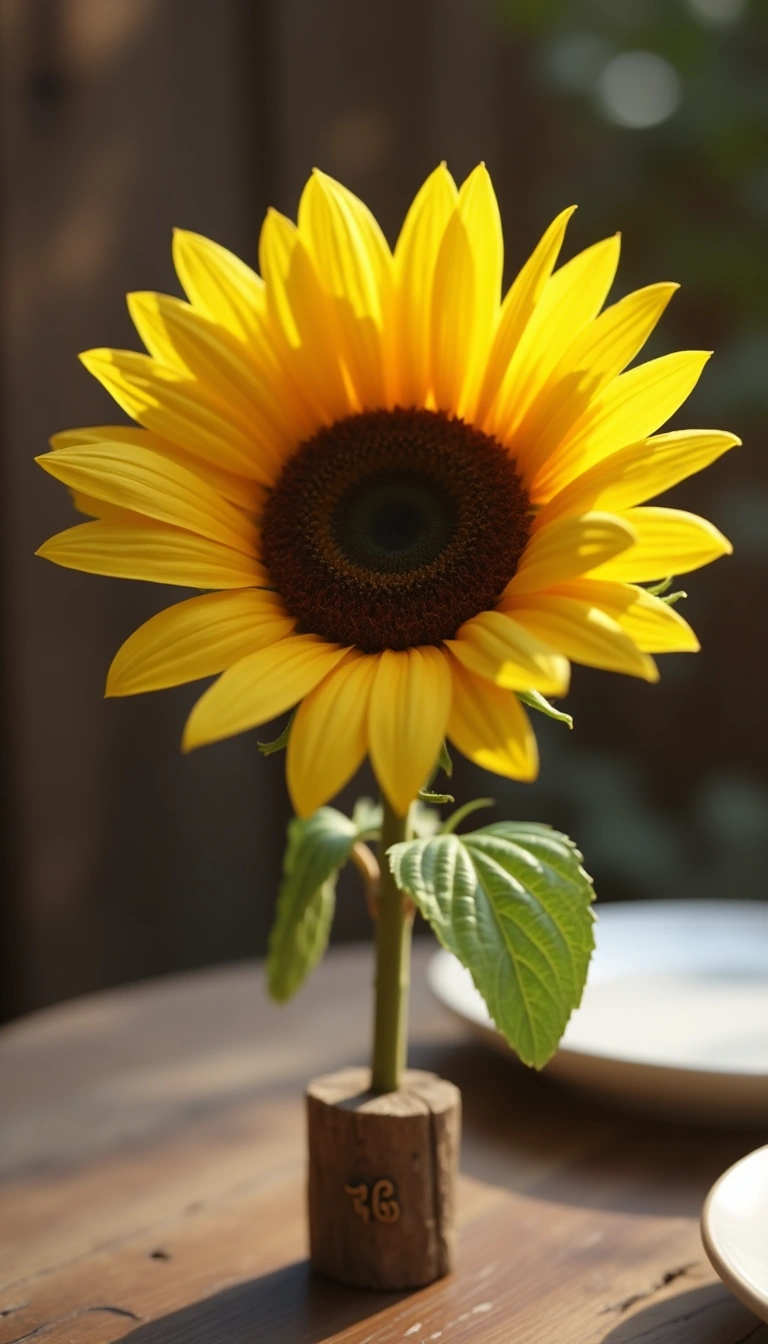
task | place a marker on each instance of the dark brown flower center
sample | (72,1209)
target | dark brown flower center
(391,528)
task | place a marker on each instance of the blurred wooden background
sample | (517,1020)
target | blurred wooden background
(123,118)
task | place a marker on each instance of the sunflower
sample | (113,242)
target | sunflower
(404,499)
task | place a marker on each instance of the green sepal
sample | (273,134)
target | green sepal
(656,589)
(436,799)
(279,743)
(514,904)
(317,848)
(660,590)
(454,821)
(444,761)
(535,700)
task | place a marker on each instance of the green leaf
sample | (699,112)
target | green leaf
(366,817)
(535,700)
(279,743)
(423,821)
(317,848)
(513,903)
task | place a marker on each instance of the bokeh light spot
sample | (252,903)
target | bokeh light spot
(639,89)
(718,13)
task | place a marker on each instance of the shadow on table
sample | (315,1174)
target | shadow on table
(707,1315)
(285,1307)
(526,1132)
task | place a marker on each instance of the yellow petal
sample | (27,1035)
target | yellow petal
(598,354)
(148,483)
(155,553)
(178,336)
(628,409)
(382,262)
(408,713)
(415,260)
(654,626)
(517,309)
(571,298)
(259,687)
(197,638)
(98,508)
(329,735)
(584,633)
(490,727)
(376,246)
(301,320)
(237,489)
(453,307)
(220,285)
(328,225)
(479,211)
(176,408)
(497,648)
(669,542)
(568,547)
(638,472)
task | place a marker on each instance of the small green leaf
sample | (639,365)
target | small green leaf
(366,816)
(513,903)
(535,700)
(317,848)
(423,821)
(456,818)
(672,599)
(279,743)
(437,799)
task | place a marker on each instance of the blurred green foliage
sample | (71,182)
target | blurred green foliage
(693,188)
(664,787)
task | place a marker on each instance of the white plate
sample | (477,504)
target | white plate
(674,1017)
(734,1230)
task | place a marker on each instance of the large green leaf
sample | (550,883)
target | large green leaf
(513,903)
(317,848)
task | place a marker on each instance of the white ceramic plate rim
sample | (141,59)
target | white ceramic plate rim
(741,1285)
(616,913)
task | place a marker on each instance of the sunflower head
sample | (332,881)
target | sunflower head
(404,497)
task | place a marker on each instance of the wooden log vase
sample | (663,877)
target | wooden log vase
(382,1178)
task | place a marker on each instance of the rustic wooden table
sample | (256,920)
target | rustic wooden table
(153,1171)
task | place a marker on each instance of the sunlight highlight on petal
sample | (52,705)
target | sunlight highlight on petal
(197,638)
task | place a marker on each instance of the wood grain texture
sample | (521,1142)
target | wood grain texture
(382,1178)
(153,1173)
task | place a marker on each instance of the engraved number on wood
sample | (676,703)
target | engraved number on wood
(378,1200)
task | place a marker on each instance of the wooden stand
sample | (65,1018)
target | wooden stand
(382,1176)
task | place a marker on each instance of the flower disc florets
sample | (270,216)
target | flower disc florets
(389,529)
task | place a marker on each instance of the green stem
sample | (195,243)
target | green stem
(393,964)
